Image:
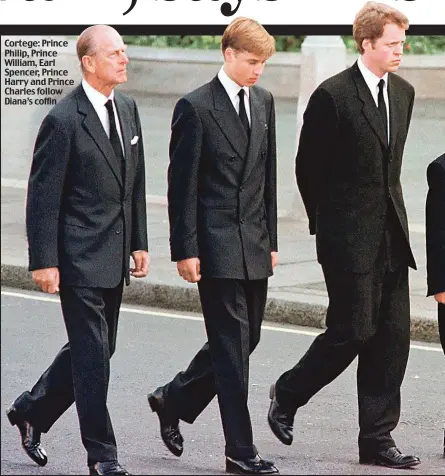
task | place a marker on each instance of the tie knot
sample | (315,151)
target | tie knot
(109,106)
(241,93)
(381,85)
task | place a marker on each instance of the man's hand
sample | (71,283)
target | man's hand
(274,258)
(48,279)
(141,264)
(440,297)
(189,269)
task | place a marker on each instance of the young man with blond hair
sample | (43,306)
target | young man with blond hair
(348,169)
(223,235)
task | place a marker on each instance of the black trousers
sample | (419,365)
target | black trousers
(81,370)
(441,317)
(368,316)
(233,311)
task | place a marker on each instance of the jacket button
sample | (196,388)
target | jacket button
(242,221)
(241,188)
(232,158)
(118,232)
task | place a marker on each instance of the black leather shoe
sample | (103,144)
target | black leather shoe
(391,458)
(255,465)
(169,422)
(29,435)
(108,468)
(280,422)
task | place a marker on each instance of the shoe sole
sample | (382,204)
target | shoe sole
(235,469)
(399,466)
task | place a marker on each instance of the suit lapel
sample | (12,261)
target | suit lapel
(395,113)
(227,119)
(369,110)
(125,121)
(257,131)
(94,127)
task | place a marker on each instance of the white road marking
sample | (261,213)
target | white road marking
(431,348)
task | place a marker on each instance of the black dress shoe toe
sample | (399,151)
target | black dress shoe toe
(30,437)
(255,465)
(280,422)
(108,468)
(168,421)
(391,458)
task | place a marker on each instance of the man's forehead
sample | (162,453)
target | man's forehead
(252,56)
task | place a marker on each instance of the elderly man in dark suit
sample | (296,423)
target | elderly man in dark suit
(348,170)
(223,235)
(85,215)
(435,242)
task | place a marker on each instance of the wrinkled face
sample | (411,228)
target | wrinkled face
(385,54)
(242,67)
(108,65)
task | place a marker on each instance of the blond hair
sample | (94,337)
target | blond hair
(370,22)
(245,34)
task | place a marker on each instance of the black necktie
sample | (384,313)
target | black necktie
(114,137)
(382,108)
(242,112)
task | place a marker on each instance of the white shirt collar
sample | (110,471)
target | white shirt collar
(370,78)
(230,86)
(96,98)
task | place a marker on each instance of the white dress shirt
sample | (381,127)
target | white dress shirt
(373,84)
(232,90)
(98,101)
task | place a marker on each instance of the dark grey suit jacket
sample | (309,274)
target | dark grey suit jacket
(221,187)
(345,171)
(80,216)
(435,226)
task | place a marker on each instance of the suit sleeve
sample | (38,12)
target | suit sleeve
(44,195)
(315,146)
(139,239)
(270,191)
(185,152)
(435,229)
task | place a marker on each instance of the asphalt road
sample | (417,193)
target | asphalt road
(153,345)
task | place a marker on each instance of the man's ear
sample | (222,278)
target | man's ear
(88,64)
(229,55)
(367,44)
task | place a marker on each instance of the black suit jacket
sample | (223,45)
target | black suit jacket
(435,226)
(80,216)
(221,187)
(346,173)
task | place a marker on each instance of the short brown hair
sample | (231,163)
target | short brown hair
(370,22)
(245,34)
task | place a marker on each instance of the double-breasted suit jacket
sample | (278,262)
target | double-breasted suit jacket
(347,174)
(88,218)
(221,185)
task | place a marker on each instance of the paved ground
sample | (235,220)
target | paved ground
(152,346)
(297,287)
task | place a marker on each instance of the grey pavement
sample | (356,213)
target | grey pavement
(153,345)
(297,292)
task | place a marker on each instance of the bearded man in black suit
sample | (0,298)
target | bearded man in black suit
(85,215)
(348,170)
